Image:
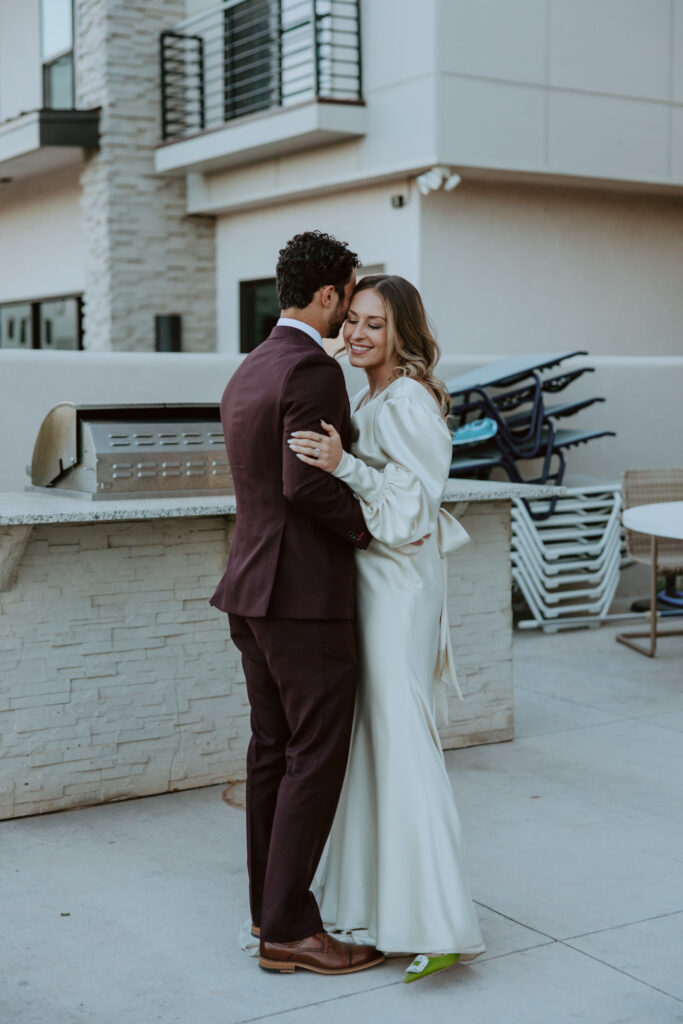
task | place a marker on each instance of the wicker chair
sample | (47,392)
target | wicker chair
(646,487)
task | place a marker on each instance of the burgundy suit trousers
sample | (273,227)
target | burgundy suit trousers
(301,682)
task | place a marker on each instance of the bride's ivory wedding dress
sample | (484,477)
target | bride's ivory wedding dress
(394,866)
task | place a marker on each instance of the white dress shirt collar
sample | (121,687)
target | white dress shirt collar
(288,321)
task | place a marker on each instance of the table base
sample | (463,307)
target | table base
(653,633)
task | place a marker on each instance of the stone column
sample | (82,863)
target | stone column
(144,254)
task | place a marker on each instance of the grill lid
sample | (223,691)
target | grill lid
(55,449)
(131,450)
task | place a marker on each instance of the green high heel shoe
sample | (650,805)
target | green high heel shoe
(423,965)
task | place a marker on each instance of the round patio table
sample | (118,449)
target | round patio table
(662,519)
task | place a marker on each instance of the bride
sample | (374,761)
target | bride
(395,865)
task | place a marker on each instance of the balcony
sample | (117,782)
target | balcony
(254,79)
(43,141)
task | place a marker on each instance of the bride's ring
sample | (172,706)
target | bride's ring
(316,452)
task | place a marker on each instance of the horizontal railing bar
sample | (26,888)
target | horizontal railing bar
(294,81)
(301,49)
(256,85)
(219,52)
(236,59)
(239,95)
(262,35)
(217,69)
(327,88)
(335,17)
(298,64)
(295,28)
(195,19)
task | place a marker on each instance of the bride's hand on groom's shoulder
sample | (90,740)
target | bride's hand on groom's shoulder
(324,450)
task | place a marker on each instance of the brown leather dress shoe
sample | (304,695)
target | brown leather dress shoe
(321,953)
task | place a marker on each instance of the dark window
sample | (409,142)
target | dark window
(251,45)
(59,323)
(16,325)
(57,42)
(52,323)
(259,312)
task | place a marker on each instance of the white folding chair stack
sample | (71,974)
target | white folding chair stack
(567,566)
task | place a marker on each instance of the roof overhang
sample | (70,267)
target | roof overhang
(46,140)
(262,136)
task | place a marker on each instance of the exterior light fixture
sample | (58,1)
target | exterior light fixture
(439,176)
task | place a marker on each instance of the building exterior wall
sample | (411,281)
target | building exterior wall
(42,248)
(247,244)
(555,89)
(144,254)
(563,87)
(507,269)
(20,64)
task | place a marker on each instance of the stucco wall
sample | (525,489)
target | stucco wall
(508,269)
(41,238)
(20,64)
(247,243)
(585,87)
(643,400)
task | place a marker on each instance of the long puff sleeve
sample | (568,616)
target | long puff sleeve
(400,503)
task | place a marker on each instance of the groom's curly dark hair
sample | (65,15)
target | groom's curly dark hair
(310,261)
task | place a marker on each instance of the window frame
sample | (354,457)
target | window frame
(245,337)
(35,305)
(46,64)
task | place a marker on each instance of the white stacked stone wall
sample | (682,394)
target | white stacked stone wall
(117,677)
(118,680)
(144,254)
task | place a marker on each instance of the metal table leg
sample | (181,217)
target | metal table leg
(653,632)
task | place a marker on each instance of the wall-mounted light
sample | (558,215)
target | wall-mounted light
(437,178)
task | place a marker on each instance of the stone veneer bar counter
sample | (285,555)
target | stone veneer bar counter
(118,679)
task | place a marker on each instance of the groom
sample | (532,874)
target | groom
(288,590)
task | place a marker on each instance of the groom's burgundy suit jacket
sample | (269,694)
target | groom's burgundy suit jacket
(292,550)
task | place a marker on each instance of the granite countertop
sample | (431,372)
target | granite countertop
(30,507)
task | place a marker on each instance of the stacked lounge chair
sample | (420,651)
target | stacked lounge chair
(567,565)
(507,400)
(566,552)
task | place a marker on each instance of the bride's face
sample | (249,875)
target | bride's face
(365,330)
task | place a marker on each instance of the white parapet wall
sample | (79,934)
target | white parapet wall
(642,392)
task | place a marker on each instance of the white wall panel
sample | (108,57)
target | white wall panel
(608,137)
(677,145)
(613,46)
(491,39)
(398,41)
(42,248)
(521,269)
(20,67)
(491,124)
(677,47)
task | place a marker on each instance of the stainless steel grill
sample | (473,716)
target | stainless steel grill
(131,451)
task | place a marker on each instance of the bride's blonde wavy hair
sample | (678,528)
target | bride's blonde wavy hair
(410,336)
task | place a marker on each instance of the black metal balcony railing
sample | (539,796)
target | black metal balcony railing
(248,56)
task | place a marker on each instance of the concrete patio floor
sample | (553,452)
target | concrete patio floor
(575,840)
